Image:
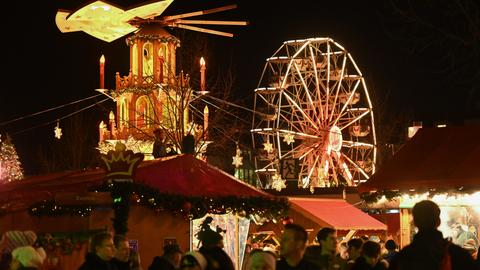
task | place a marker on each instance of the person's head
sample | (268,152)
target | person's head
(261,260)
(173,253)
(327,238)
(294,240)
(211,238)
(371,252)
(122,247)
(27,256)
(193,260)
(426,215)
(102,245)
(354,248)
(390,245)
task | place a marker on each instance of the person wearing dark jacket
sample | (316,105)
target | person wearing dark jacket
(429,250)
(122,253)
(370,258)
(102,251)
(292,249)
(170,259)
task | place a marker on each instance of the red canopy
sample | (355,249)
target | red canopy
(337,213)
(179,175)
(189,176)
(435,158)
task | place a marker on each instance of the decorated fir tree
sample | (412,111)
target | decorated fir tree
(10,166)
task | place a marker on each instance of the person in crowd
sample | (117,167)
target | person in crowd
(343,250)
(261,260)
(102,251)
(370,258)
(159,145)
(27,258)
(391,247)
(354,250)
(325,256)
(122,255)
(193,260)
(292,249)
(429,250)
(217,258)
(172,254)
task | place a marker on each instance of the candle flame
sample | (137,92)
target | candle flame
(102,59)
(202,62)
(205,110)
(111,116)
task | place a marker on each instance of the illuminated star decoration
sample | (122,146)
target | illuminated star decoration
(277,182)
(288,138)
(58,131)
(238,159)
(268,147)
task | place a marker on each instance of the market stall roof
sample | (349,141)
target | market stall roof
(435,158)
(337,213)
(189,176)
(179,175)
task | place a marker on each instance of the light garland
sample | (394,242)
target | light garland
(190,207)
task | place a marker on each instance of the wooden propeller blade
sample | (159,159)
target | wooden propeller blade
(203,30)
(212,22)
(197,13)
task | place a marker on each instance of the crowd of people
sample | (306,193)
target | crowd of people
(428,250)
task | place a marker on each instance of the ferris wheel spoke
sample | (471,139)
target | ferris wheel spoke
(317,85)
(352,144)
(334,172)
(292,102)
(340,114)
(307,92)
(339,84)
(355,119)
(327,89)
(360,169)
(293,119)
(343,168)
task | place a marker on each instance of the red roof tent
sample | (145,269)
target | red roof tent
(337,213)
(435,158)
(181,175)
(189,176)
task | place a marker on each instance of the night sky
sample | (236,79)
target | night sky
(404,66)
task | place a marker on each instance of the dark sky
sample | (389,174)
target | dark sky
(45,68)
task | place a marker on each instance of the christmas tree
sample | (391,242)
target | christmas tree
(10,166)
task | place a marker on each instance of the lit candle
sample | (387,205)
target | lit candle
(111,117)
(102,72)
(205,123)
(202,74)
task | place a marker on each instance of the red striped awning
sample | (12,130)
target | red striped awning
(335,213)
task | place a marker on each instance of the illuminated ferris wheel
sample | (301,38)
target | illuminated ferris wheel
(313,118)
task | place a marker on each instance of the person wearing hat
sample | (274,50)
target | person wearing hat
(193,260)
(27,258)
(170,259)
